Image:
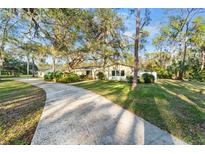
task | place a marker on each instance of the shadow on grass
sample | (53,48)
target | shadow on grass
(19,108)
(170,106)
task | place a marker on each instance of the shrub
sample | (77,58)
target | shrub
(82,77)
(202,75)
(100,76)
(163,73)
(148,78)
(57,75)
(69,77)
(85,77)
(49,76)
(130,78)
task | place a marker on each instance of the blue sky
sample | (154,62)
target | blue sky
(158,18)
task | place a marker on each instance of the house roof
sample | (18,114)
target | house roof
(93,67)
(120,64)
(88,67)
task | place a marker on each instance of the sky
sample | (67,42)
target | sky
(158,18)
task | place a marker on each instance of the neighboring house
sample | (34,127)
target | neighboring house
(112,72)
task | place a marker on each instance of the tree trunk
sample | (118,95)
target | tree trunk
(202,60)
(54,64)
(136,50)
(1,63)
(33,67)
(27,65)
(181,73)
(104,63)
(54,67)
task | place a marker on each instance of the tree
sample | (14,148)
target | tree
(181,26)
(33,51)
(63,29)
(198,38)
(104,36)
(7,27)
(176,36)
(140,23)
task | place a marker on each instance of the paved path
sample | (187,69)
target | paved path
(76,116)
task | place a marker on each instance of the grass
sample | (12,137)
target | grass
(175,106)
(12,76)
(21,105)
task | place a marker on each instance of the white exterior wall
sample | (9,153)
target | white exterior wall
(127,70)
(108,72)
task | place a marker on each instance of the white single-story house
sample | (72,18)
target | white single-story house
(112,72)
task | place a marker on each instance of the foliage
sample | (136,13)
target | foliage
(86,77)
(148,78)
(69,77)
(49,76)
(104,38)
(11,64)
(183,32)
(130,79)
(61,77)
(202,75)
(75,36)
(101,76)
(83,77)
(163,73)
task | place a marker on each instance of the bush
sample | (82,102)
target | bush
(57,75)
(163,73)
(86,77)
(61,77)
(100,76)
(202,75)
(69,77)
(148,78)
(130,78)
(82,77)
(51,76)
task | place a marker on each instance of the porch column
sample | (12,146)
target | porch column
(93,75)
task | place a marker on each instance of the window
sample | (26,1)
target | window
(122,73)
(113,72)
(117,73)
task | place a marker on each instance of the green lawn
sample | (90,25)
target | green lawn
(21,105)
(12,76)
(175,106)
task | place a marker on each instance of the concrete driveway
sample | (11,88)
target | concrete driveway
(74,115)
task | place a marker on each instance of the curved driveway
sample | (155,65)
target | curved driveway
(74,115)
